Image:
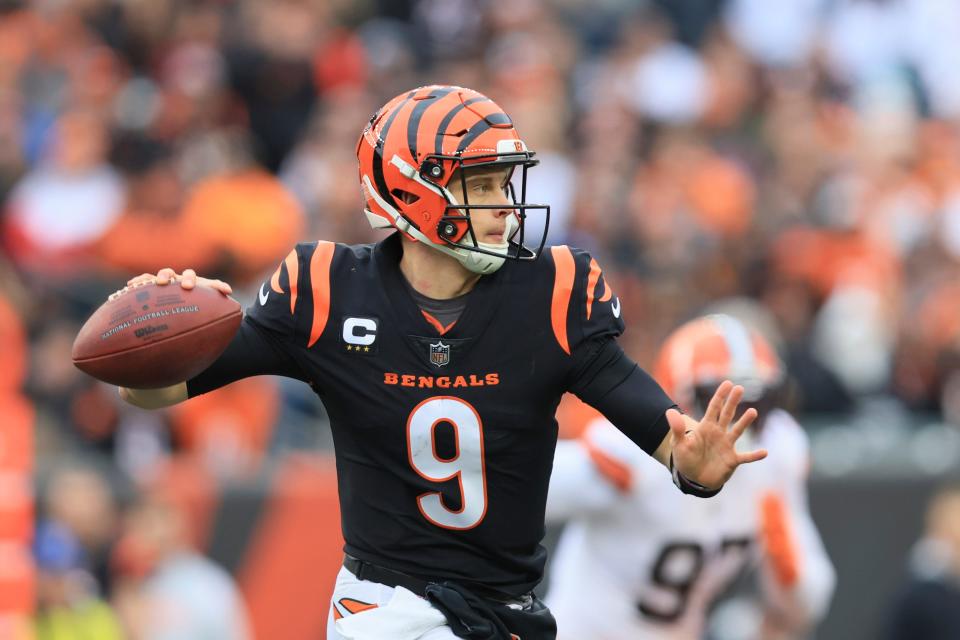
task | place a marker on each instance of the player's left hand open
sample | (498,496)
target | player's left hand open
(705,451)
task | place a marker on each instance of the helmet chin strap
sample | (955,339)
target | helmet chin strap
(473,261)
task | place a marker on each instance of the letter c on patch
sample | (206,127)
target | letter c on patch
(361,331)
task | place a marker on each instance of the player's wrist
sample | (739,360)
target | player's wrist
(688,486)
(155,398)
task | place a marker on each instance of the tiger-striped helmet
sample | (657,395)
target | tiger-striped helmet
(700,354)
(408,154)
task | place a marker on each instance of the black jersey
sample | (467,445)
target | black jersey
(444,436)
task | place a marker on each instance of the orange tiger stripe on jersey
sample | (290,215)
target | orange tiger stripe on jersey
(562,290)
(292,263)
(436,323)
(592,280)
(320,279)
(275,279)
(618,473)
(293,272)
(778,539)
(607,292)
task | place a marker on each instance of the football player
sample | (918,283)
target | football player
(441,354)
(636,560)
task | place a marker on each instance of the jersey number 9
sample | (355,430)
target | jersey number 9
(466,465)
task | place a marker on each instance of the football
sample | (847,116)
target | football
(152,336)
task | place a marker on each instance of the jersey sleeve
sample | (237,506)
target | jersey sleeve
(586,320)
(287,316)
(294,302)
(797,576)
(584,308)
(252,352)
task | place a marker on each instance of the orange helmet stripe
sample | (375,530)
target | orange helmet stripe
(448,118)
(378,180)
(414,127)
(480,128)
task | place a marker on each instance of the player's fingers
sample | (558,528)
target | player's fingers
(140,279)
(729,409)
(219,285)
(165,275)
(188,279)
(751,456)
(678,426)
(712,413)
(740,425)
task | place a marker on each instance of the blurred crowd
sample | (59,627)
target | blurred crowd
(801,165)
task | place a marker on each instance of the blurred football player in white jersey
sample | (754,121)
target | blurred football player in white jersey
(639,559)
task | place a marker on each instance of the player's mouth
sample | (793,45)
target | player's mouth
(494,237)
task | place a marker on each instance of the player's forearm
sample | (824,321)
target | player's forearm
(155,398)
(626,395)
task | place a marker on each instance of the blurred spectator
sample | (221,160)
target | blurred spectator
(928,606)
(274,75)
(68,605)
(248,220)
(235,222)
(165,589)
(79,499)
(60,208)
(781,38)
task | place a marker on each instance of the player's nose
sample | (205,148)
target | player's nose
(505,203)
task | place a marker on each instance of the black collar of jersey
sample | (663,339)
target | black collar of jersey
(482,301)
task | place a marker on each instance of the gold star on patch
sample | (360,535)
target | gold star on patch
(349,348)
(366,349)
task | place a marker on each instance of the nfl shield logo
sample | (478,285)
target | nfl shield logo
(440,354)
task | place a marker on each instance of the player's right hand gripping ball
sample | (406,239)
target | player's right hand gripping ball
(150,336)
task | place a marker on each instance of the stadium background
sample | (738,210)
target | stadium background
(800,164)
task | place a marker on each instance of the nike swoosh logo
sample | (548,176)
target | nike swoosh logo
(615,307)
(263,295)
